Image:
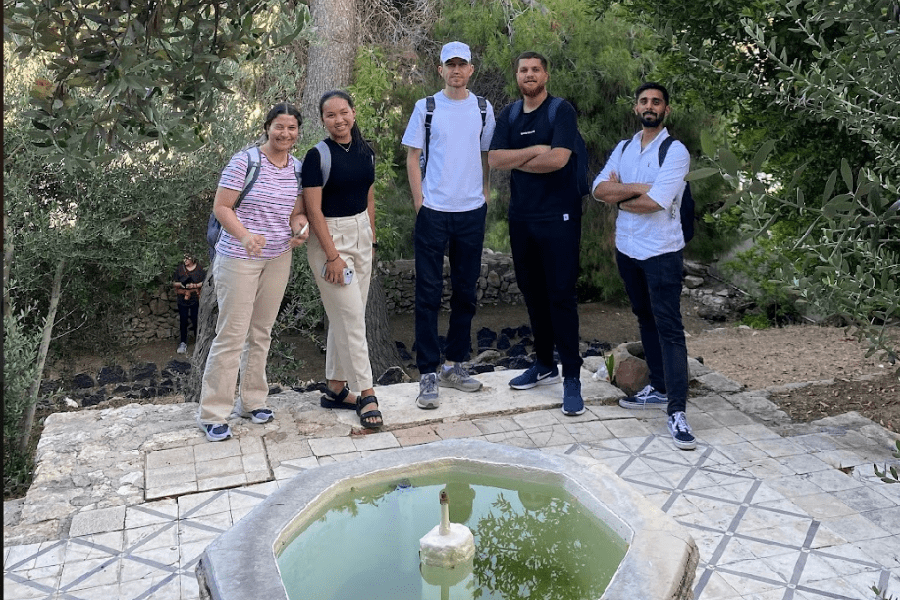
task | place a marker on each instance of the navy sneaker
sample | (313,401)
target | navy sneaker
(573,404)
(648,397)
(681,431)
(537,374)
(261,415)
(217,433)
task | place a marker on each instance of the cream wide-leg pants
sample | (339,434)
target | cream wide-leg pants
(249,293)
(347,352)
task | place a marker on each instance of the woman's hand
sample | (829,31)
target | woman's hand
(299,230)
(334,271)
(253,243)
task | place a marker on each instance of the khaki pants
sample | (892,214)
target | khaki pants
(347,353)
(249,293)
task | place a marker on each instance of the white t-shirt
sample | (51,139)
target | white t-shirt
(454,180)
(647,235)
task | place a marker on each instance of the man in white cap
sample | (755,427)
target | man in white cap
(447,140)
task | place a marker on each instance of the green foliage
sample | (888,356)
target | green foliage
(813,87)
(890,473)
(20,349)
(380,119)
(756,321)
(141,73)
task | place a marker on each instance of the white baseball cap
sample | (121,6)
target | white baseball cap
(455,50)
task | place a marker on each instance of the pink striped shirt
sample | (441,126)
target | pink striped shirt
(265,210)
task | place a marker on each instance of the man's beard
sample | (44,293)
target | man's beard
(653,121)
(534,92)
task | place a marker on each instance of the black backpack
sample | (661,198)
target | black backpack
(429,113)
(582,177)
(686,209)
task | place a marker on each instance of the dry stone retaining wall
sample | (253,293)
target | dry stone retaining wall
(156,315)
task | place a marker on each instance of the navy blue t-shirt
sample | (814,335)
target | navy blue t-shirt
(352,174)
(541,196)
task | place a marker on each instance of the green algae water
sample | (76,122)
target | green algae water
(531,541)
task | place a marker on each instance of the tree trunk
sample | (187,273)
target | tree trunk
(331,53)
(383,352)
(207,316)
(7,265)
(28,419)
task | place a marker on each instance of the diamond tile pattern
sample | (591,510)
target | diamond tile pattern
(772,517)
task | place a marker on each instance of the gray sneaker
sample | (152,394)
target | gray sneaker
(428,392)
(457,377)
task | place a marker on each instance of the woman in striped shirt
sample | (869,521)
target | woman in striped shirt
(250,271)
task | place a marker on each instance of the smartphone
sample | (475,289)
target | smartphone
(348,274)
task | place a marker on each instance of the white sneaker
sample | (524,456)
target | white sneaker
(182,348)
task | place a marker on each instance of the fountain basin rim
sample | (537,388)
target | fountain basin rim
(660,562)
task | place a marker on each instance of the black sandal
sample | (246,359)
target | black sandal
(336,400)
(372,414)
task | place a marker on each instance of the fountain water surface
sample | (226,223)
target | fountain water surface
(552,526)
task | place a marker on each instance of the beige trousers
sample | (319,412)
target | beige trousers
(249,293)
(347,352)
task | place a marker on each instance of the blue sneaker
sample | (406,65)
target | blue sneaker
(681,431)
(261,415)
(217,433)
(648,397)
(537,374)
(573,404)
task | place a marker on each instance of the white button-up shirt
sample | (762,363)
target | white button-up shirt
(642,236)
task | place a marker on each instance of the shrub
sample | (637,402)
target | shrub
(20,349)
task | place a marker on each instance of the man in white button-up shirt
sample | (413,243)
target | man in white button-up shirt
(649,245)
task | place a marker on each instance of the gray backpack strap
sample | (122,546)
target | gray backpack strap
(253,161)
(324,160)
(298,168)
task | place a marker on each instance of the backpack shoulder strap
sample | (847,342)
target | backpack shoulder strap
(482,106)
(625,145)
(664,149)
(429,114)
(253,161)
(555,103)
(324,160)
(515,110)
(298,168)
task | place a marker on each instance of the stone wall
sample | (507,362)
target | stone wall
(496,283)
(156,314)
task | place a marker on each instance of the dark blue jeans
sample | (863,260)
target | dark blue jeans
(546,255)
(464,233)
(654,288)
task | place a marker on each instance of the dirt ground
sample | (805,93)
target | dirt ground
(756,358)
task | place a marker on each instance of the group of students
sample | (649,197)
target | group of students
(452,140)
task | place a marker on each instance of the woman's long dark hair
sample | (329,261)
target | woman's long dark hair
(282,108)
(355,134)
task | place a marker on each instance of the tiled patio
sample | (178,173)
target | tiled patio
(776,517)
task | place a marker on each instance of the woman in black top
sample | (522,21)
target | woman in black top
(341,212)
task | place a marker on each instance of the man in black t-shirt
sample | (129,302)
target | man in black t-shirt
(535,138)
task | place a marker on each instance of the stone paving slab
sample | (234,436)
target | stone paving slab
(778,510)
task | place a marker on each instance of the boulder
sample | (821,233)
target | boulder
(82,381)
(630,373)
(113,374)
(393,375)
